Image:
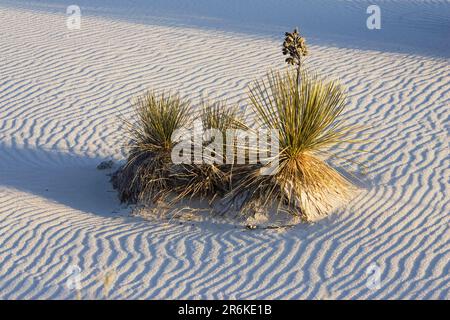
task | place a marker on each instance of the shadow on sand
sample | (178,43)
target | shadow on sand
(406,27)
(73,180)
(67,178)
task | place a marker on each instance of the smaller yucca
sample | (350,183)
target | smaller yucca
(145,176)
(208,180)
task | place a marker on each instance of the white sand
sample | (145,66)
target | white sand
(61,92)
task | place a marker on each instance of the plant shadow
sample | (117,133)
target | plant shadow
(66,178)
(73,180)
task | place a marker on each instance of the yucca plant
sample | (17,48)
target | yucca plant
(306,111)
(208,180)
(145,176)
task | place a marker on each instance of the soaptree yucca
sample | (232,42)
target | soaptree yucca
(146,174)
(306,110)
(307,118)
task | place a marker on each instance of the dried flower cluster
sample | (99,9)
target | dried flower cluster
(294,45)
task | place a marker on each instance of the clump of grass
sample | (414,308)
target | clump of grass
(208,180)
(146,175)
(217,115)
(307,116)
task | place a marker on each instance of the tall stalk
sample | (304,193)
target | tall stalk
(294,45)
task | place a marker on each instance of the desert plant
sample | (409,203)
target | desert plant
(145,176)
(209,179)
(219,116)
(306,111)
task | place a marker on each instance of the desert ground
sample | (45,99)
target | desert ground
(63,94)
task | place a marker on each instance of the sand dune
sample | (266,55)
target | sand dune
(62,91)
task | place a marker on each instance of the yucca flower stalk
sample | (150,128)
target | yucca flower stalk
(145,176)
(294,45)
